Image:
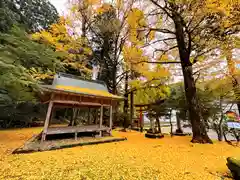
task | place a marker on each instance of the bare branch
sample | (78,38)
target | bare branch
(162,8)
(123,73)
(160,40)
(201,54)
(157,62)
(164,50)
(121,78)
(162,30)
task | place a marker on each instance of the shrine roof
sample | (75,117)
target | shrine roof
(74,84)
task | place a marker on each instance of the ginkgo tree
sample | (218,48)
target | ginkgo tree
(190,27)
(62,38)
(149,81)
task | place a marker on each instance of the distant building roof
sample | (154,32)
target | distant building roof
(77,85)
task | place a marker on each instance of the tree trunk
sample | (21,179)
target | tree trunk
(220,131)
(220,128)
(158,124)
(198,126)
(179,128)
(131,102)
(152,126)
(233,72)
(171,126)
(131,108)
(125,107)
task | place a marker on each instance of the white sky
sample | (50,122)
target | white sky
(59,4)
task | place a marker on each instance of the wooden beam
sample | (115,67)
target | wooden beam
(110,124)
(101,119)
(77,103)
(49,111)
(84,95)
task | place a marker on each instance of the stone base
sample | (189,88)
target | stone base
(154,135)
(35,145)
(181,134)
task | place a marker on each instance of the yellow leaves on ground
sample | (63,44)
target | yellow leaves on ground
(137,158)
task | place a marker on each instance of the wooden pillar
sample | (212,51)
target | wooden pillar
(50,105)
(96,116)
(101,119)
(110,123)
(89,116)
(75,135)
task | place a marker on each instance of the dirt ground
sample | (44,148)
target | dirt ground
(137,158)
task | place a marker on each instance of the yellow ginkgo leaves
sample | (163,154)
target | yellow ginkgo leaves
(104,8)
(62,38)
(136,22)
(224,6)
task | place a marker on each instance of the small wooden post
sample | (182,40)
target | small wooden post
(50,105)
(101,119)
(110,124)
(76,135)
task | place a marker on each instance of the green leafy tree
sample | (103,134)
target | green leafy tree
(24,64)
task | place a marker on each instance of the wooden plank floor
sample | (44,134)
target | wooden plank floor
(73,129)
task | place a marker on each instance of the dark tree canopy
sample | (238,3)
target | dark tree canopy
(32,14)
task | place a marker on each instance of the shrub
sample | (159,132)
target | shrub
(234,166)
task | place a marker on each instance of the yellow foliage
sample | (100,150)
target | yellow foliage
(119,4)
(136,21)
(163,57)
(150,94)
(133,54)
(59,37)
(224,6)
(104,8)
(151,35)
(39,74)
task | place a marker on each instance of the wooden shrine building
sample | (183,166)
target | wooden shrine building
(73,92)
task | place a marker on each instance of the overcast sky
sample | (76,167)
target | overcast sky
(59,4)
